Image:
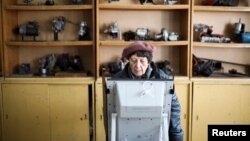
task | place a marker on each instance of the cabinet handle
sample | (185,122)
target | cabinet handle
(85,116)
(185,116)
(101,117)
(197,117)
(6,116)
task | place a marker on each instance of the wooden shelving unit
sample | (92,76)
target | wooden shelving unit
(198,8)
(18,51)
(46,8)
(221,45)
(51,43)
(222,19)
(117,6)
(220,87)
(1,42)
(131,15)
(159,43)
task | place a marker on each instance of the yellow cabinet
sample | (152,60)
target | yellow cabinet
(182,90)
(69,112)
(47,110)
(25,112)
(219,102)
(99,121)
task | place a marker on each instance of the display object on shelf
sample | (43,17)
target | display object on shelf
(142,34)
(70,63)
(239,27)
(76,1)
(205,34)
(128,35)
(84,31)
(166,67)
(211,67)
(147,1)
(112,30)
(31,28)
(166,36)
(145,34)
(27,2)
(221,2)
(114,67)
(58,25)
(171,1)
(47,65)
(109,1)
(23,70)
(167,2)
(239,33)
(49,2)
(163,36)
(53,64)
(205,67)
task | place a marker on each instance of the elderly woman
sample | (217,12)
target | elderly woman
(140,66)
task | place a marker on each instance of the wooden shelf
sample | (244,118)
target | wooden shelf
(51,43)
(226,80)
(221,9)
(43,7)
(156,43)
(177,78)
(142,7)
(46,80)
(221,45)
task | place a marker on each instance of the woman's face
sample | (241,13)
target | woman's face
(138,65)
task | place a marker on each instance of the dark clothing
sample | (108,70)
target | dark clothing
(175,130)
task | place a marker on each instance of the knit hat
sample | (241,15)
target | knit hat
(137,46)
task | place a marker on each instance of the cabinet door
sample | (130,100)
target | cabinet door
(69,112)
(183,93)
(100,130)
(219,104)
(25,112)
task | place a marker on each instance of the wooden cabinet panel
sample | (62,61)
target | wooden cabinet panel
(1,112)
(1,42)
(183,93)
(46,111)
(25,112)
(100,129)
(219,104)
(69,112)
